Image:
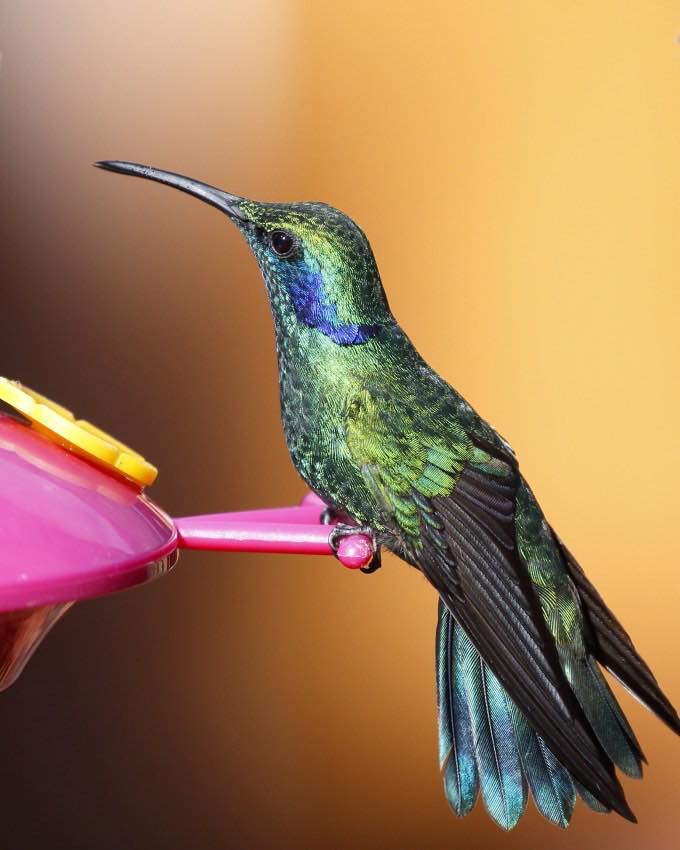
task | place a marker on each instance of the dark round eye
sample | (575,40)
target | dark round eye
(283,244)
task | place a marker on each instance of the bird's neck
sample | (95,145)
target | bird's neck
(308,357)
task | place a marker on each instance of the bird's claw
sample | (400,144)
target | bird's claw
(342,530)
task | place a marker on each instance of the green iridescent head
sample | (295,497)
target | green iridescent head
(316,262)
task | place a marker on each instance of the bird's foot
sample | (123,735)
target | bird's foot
(328,516)
(343,530)
(331,515)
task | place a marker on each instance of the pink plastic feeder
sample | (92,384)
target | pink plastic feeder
(74,525)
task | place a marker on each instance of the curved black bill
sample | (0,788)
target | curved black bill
(230,204)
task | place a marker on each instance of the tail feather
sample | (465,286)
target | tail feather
(486,744)
(550,784)
(502,782)
(456,746)
(604,715)
(590,800)
(478,748)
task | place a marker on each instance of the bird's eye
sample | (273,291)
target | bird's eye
(283,244)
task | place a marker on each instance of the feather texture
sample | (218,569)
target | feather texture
(501,778)
(487,744)
(591,800)
(510,754)
(490,593)
(550,784)
(605,715)
(485,739)
(456,745)
(614,649)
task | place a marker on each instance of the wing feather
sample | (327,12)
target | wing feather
(614,649)
(498,609)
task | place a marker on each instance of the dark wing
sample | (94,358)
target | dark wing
(474,564)
(452,503)
(613,648)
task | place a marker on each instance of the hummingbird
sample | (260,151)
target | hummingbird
(391,447)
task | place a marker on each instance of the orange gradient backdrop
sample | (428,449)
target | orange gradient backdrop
(516,167)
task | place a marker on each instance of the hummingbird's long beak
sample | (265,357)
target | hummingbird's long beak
(229,204)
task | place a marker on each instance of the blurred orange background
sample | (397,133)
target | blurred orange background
(517,169)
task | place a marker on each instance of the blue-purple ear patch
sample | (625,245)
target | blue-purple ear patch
(313,310)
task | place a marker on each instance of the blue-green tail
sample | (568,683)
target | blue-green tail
(486,745)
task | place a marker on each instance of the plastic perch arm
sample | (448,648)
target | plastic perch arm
(295,530)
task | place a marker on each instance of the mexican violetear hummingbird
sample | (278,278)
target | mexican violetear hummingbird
(385,441)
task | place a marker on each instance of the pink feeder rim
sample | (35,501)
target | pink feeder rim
(68,529)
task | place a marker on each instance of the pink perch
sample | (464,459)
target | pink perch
(295,530)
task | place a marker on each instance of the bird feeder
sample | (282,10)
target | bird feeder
(75,522)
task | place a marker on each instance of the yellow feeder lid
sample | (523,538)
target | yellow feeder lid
(76,435)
